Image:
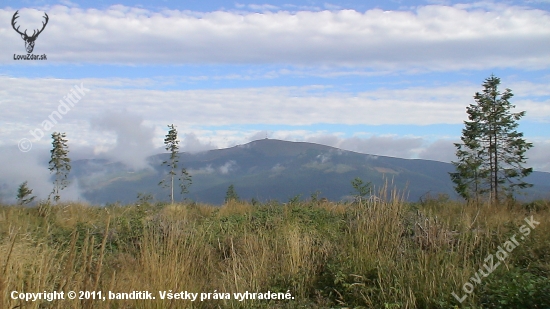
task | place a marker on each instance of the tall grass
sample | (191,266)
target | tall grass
(379,253)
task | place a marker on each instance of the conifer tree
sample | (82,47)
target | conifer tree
(171,144)
(492,153)
(185,181)
(361,189)
(23,194)
(60,164)
(231,194)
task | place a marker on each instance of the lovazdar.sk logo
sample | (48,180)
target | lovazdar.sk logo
(29,39)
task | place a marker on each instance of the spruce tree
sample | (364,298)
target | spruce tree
(231,194)
(492,153)
(185,181)
(171,144)
(60,164)
(361,189)
(23,194)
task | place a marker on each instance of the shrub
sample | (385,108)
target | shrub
(516,289)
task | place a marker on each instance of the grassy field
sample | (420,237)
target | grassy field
(375,254)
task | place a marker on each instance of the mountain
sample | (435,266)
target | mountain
(274,169)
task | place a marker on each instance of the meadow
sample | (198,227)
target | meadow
(377,253)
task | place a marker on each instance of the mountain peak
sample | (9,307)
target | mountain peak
(283,148)
(276,169)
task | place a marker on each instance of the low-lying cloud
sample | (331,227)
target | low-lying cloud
(133,139)
(227,167)
(392,146)
(442,150)
(192,144)
(32,167)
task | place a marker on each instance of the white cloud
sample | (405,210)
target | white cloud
(392,146)
(439,150)
(538,155)
(292,105)
(324,158)
(227,167)
(203,170)
(442,150)
(32,167)
(434,37)
(25,108)
(211,118)
(278,168)
(133,139)
(191,143)
(259,135)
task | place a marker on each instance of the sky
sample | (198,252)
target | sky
(387,78)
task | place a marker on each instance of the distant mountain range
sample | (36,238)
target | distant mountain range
(274,169)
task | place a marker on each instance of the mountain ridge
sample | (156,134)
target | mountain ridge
(275,169)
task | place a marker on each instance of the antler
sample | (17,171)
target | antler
(13,23)
(43,25)
(34,33)
(29,40)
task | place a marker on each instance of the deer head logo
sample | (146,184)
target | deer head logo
(29,40)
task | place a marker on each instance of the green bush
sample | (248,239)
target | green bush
(516,289)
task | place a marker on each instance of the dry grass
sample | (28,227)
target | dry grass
(375,254)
